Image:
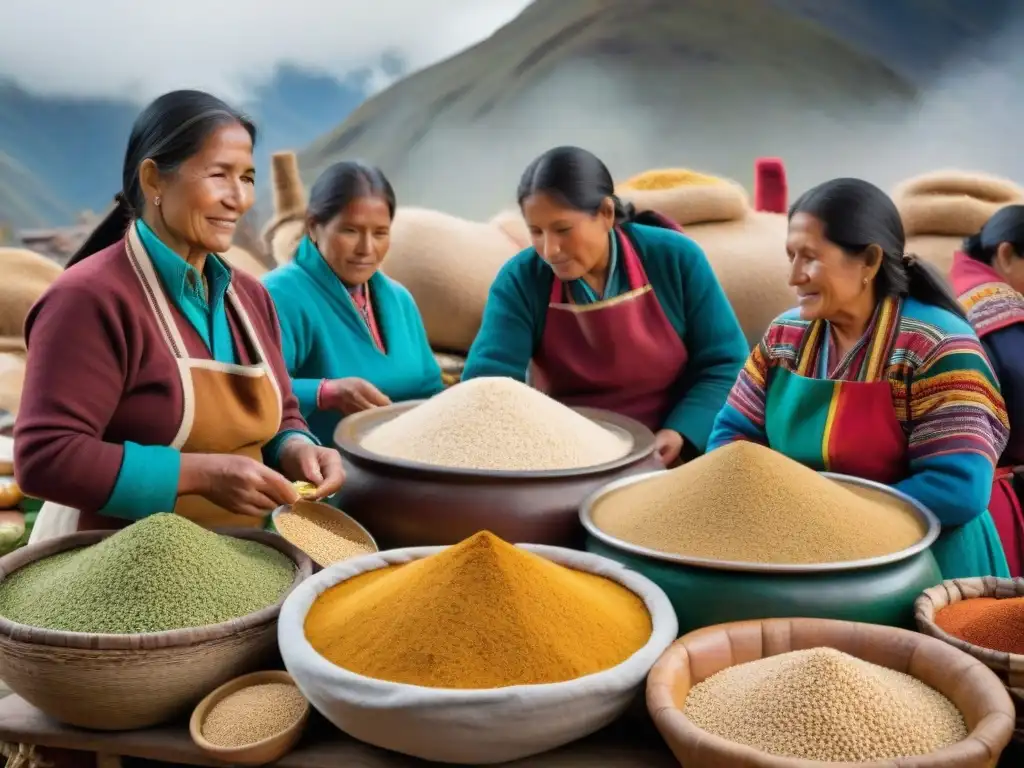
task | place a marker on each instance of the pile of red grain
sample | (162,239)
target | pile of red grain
(987,622)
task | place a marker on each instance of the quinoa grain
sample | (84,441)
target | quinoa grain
(326,538)
(253,714)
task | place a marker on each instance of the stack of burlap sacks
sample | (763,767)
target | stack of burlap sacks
(449,263)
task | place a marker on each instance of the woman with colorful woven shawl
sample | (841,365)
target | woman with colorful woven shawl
(610,308)
(988,278)
(352,337)
(877,374)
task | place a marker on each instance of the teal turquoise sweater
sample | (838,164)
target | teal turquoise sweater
(148,479)
(324,337)
(689,293)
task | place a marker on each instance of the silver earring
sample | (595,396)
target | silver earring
(156,202)
(865,281)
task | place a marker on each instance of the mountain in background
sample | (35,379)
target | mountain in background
(59,156)
(832,86)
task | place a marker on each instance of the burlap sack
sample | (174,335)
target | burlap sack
(941,208)
(25,275)
(746,248)
(281,235)
(448,264)
(241,259)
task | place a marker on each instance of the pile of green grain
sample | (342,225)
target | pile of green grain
(822,704)
(748,503)
(161,573)
(498,424)
(253,714)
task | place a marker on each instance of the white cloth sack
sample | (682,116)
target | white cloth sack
(52,521)
(471,727)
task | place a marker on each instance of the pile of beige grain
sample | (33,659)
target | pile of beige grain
(822,704)
(497,424)
(253,714)
(324,535)
(747,503)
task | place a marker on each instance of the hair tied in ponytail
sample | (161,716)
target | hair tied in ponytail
(909,260)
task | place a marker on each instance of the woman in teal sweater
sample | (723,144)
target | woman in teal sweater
(352,337)
(610,309)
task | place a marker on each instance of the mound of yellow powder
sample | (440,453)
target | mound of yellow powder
(480,614)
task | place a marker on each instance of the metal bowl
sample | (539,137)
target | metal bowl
(867,488)
(405,503)
(878,590)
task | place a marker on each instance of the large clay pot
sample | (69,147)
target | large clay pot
(878,591)
(406,504)
(965,681)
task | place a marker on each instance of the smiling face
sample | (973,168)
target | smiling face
(573,242)
(829,282)
(202,201)
(356,240)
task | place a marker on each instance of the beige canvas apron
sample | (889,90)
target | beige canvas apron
(227,409)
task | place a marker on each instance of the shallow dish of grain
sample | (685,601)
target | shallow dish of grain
(252,720)
(728,537)
(955,681)
(323,532)
(487,454)
(468,726)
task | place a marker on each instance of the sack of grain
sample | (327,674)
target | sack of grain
(1008,666)
(468,726)
(511,222)
(26,275)
(746,248)
(287,226)
(941,208)
(448,264)
(239,258)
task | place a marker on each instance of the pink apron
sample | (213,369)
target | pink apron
(991,304)
(620,354)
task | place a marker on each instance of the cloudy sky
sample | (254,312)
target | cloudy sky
(141,48)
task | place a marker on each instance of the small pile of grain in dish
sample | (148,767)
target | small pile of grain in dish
(253,714)
(325,535)
(747,503)
(161,573)
(480,614)
(822,704)
(988,622)
(497,424)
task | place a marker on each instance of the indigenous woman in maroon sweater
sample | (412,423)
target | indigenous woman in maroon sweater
(154,380)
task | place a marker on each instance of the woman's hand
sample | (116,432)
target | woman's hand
(668,444)
(301,460)
(350,395)
(235,483)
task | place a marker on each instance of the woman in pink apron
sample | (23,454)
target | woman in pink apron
(154,378)
(877,374)
(609,309)
(988,278)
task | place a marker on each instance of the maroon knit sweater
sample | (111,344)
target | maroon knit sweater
(99,373)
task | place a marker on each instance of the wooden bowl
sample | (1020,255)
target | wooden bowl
(109,682)
(409,504)
(969,684)
(262,752)
(325,511)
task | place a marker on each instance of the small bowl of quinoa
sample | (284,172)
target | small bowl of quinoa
(254,719)
(323,532)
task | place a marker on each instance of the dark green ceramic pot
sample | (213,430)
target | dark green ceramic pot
(877,591)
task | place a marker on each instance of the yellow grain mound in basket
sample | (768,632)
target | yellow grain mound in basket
(669,178)
(498,424)
(748,503)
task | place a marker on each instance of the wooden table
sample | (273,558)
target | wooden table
(630,743)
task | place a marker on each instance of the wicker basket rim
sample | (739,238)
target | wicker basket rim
(925,610)
(174,638)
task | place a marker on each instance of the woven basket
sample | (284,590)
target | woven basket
(1008,666)
(111,682)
